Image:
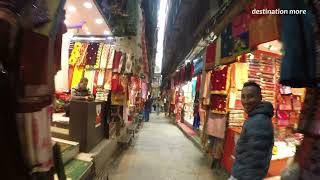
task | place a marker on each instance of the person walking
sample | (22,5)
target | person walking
(254,147)
(147,108)
(158,106)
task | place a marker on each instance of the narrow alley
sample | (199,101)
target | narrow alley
(161,152)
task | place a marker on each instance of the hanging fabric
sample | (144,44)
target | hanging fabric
(216,125)
(240,24)
(81,60)
(77,75)
(264,30)
(211,54)
(298,62)
(122,63)
(100,82)
(108,79)
(104,56)
(92,52)
(98,58)
(219,104)
(220,80)
(205,90)
(111,57)
(128,68)
(315,6)
(116,61)
(95,81)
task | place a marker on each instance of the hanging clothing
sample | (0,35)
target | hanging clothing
(240,24)
(122,64)
(77,75)
(116,61)
(241,74)
(111,57)
(211,54)
(298,62)
(70,76)
(206,86)
(35,135)
(108,79)
(198,83)
(80,54)
(100,81)
(98,58)
(104,55)
(92,52)
(216,125)
(264,30)
(220,80)
(128,65)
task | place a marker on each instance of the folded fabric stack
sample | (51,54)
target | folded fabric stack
(236,118)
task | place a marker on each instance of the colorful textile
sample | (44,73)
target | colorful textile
(116,61)
(298,62)
(220,82)
(108,79)
(226,42)
(264,30)
(77,75)
(206,86)
(198,84)
(70,76)
(100,82)
(216,125)
(111,57)
(241,74)
(98,59)
(128,68)
(218,104)
(104,56)
(240,24)
(116,84)
(92,52)
(122,64)
(211,54)
(81,61)
(89,74)
(34,131)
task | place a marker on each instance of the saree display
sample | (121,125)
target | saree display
(220,80)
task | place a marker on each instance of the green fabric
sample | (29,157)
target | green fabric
(76,168)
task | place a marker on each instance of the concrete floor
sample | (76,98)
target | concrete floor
(160,151)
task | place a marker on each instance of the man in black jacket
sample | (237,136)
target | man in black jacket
(254,147)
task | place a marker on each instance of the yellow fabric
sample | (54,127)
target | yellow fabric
(98,60)
(75,54)
(77,75)
(241,74)
(110,57)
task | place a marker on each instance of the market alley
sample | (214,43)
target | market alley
(161,152)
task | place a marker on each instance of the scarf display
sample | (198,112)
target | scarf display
(92,53)
(205,89)
(122,64)
(98,59)
(80,54)
(128,65)
(77,75)
(111,57)
(108,79)
(236,118)
(220,80)
(104,56)
(116,61)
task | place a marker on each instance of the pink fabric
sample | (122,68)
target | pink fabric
(216,125)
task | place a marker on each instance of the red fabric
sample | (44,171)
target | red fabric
(135,83)
(219,79)
(95,81)
(211,54)
(218,103)
(115,83)
(198,84)
(264,30)
(260,5)
(116,61)
(285,102)
(240,24)
(192,71)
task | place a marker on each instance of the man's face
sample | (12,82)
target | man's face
(83,85)
(250,98)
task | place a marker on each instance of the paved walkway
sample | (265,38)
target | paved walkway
(162,152)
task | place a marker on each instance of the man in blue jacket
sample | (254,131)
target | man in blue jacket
(254,147)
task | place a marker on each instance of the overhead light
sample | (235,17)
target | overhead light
(85,28)
(72,9)
(87,5)
(88,33)
(99,21)
(106,32)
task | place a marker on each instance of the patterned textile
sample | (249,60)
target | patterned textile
(218,104)
(98,59)
(108,79)
(100,82)
(220,80)
(128,67)
(216,125)
(70,76)
(240,24)
(104,56)
(236,118)
(116,84)
(111,57)
(92,52)
(116,61)
(77,75)
(34,132)
(264,30)
(211,54)
(226,42)
(80,55)
(122,64)
(89,74)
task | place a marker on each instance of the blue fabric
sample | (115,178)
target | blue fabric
(194,83)
(146,114)
(196,121)
(198,68)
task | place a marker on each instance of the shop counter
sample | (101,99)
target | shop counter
(276,166)
(86,123)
